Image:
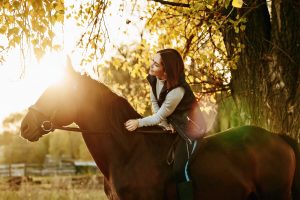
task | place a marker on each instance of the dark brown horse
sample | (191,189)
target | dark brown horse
(241,163)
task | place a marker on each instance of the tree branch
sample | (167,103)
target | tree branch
(172,3)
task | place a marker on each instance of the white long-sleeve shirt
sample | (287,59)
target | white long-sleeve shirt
(170,103)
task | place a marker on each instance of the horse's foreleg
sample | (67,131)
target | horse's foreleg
(108,190)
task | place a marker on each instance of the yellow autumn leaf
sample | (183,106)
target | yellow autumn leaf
(59,7)
(237,3)
(41,28)
(59,17)
(16,4)
(57,47)
(17,39)
(12,31)
(34,41)
(3,29)
(46,43)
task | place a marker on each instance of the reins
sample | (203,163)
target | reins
(50,127)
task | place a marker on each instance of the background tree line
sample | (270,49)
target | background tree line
(59,145)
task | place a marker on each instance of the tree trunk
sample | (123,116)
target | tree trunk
(285,64)
(265,85)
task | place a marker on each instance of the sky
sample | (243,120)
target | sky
(18,93)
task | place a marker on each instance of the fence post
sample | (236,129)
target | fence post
(25,169)
(9,170)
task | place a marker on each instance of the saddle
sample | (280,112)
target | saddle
(191,151)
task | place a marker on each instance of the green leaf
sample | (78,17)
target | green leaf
(237,3)
(236,29)
(226,2)
(243,27)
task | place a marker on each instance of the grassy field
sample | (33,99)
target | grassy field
(52,188)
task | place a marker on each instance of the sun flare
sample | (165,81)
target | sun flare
(49,69)
(19,93)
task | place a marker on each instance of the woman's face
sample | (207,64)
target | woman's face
(156,68)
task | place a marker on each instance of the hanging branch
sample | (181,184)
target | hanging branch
(172,3)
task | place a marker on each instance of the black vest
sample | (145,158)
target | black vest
(180,117)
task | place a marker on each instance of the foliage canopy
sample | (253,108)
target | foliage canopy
(231,47)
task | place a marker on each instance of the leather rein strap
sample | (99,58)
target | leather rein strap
(49,126)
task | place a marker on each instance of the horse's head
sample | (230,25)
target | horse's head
(58,105)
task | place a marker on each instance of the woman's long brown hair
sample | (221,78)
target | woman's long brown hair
(173,65)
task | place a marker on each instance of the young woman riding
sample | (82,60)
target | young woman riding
(174,105)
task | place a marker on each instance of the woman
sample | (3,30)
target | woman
(175,108)
(173,102)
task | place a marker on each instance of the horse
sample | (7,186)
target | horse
(245,162)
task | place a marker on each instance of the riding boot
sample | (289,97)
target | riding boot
(184,185)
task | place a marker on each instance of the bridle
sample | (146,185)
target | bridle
(49,126)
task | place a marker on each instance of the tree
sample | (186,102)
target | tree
(29,22)
(262,52)
(126,74)
(265,85)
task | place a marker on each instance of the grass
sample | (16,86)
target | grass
(52,188)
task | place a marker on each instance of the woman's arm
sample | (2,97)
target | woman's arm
(173,98)
(155,106)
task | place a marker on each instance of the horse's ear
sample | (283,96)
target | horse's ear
(69,67)
(71,73)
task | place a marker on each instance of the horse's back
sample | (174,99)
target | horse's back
(243,162)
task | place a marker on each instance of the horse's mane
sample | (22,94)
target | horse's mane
(121,109)
(117,111)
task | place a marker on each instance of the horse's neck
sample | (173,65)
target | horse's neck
(111,144)
(118,147)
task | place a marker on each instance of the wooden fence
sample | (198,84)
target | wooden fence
(8,170)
